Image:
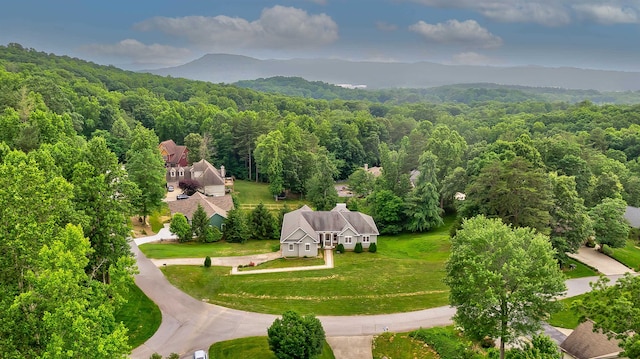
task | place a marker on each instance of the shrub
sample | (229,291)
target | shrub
(607,250)
(207,262)
(340,248)
(173,356)
(373,248)
(155,356)
(295,336)
(443,340)
(275,247)
(358,248)
(212,234)
(591,242)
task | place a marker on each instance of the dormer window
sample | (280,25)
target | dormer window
(181,172)
(173,172)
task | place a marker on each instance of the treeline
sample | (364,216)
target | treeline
(463,93)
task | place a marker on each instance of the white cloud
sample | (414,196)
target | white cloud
(385,26)
(470,58)
(278,27)
(467,32)
(544,12)
(607,14)
(140,53)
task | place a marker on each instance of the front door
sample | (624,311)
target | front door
(327,240)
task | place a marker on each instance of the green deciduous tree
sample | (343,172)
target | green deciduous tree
(387,210)
(180,227)
(423,203)
(262,224)
(64,313)
(615,309)
(269,154)
(321,190)
(609,224)
(571,225)
(146,169)
(361,182)
(503,280)
(296,337)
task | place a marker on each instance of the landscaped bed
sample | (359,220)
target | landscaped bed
(579,271)
(200,250)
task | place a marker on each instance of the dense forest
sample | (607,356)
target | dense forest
(463,93)
(68,126)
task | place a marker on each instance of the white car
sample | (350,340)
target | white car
(200,354)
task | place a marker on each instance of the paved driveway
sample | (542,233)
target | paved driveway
(605,264)
(188,324)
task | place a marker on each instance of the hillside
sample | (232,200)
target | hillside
(462,93)
(225,68)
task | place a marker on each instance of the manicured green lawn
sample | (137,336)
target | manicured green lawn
(140,315)
(404,275)
(201,250)
(581,270)
(287,263)
(254,348)
(566,318)
(629,255)
(252,193)
(400,346)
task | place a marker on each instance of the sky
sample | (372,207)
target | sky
(141,34)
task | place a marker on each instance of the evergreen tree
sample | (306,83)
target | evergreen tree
(262,223)
(423,202)
(235,227)
(199,224)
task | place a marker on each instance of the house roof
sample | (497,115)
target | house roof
(190,205)
(174,152)
(584,343)
(632,214)
(210,175)
(331,221)
(225,202)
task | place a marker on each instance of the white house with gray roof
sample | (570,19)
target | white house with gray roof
(305,232)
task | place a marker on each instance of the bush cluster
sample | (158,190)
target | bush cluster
(373,248)
(444,341)
(340,248)
(358,248)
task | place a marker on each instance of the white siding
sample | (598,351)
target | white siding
(217,190)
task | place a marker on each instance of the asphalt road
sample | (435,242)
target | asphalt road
(188,324)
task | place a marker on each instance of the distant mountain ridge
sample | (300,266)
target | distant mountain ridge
(226,68)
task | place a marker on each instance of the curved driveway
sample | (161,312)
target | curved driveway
(188,324)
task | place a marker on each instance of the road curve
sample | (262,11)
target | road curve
(189,324)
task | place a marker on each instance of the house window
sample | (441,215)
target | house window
(307,247)
(181,173)
(335,238)
(347,240)
(290,247)
(365,239)
(173,172)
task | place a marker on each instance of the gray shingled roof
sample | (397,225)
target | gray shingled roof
(334,221)
(210,175)
(632,214)
(584,343)
(190,205)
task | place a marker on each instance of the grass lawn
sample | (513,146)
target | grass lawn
(201,250)
(566,318)
(140,315)
(286,263)
(629,255)
(404,275)
(252,347)
(400,346)
(252,193)
(581,270)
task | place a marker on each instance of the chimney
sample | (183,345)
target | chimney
(222,171)
(366,166)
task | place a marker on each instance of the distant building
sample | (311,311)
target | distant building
(174,155)
(213,181)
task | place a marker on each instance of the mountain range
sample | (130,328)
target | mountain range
(226,68)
